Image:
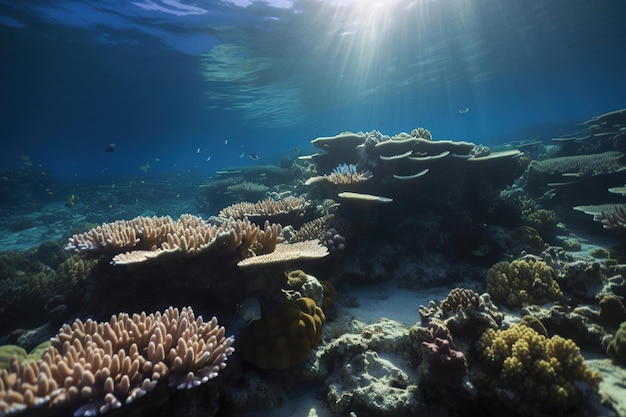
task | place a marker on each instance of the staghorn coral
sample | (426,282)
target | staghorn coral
(295,206)
(343,175)
(613,218)
(103,365)
(161,237)
(121,235)
(522,282)
(531,373)
(284,336)
(266,239)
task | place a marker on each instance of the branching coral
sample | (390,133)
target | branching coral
(103,365)
(342,175)
(145,239)
(532,371)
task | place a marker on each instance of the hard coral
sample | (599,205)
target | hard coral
(104,365)
(522,282)
(284,336)
(617,347)
(528,371)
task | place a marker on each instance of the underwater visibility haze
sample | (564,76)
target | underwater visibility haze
(312,208)
(161,79)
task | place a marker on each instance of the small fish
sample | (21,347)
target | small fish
(24,157)
(464,110)
(145,167)
(254,156)
(198,150)
(157,159)
(110,147)
(71,201)
(242,155)
(208,158)
(249,309)
(297,150)
(225,141)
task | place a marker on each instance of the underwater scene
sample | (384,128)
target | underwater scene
(316,208)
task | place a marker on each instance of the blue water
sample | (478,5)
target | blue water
(171,83)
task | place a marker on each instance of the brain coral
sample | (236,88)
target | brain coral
(522,282)
(540,373)
(284,336)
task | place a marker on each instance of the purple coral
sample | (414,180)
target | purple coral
(444,358)
(334,241)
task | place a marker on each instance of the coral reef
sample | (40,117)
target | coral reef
(104,365)
(284,336)
(522,282)
(530,373)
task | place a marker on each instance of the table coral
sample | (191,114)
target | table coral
(522,282)
(526,370)
(284,336)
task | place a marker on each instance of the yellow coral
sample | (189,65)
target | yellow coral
(74,269)
(284,336)
(538,370)
(522,282)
